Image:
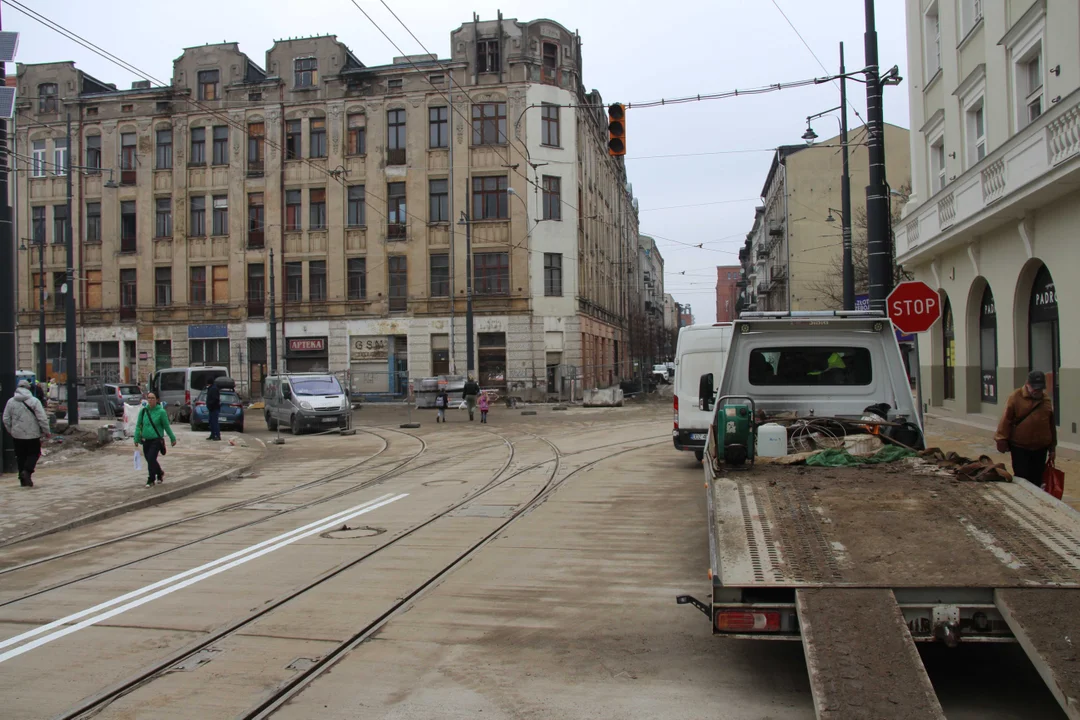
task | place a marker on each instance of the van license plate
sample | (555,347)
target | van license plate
(329,420)
(697,436)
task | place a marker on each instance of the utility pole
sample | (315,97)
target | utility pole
(41,306)
(470,360)
(878,232)
(273,319)
(845,194)
(69,301)
(8,277)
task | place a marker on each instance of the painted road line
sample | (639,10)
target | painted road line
(336,517)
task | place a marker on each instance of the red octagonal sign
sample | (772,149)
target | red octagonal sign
(913,307)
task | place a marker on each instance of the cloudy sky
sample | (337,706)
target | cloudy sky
(633,51)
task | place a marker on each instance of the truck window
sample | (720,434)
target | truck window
(201,378)
(811,366)
(316,385)
(171,381)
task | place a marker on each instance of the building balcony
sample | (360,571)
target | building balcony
(256,308)
(1032,168)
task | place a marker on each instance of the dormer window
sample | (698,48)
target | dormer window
(487,56)
(550,62)
(208,84)
(307,72)
(48,102)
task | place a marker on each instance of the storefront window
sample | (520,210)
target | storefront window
(988,347)
(1044,342)
(948,331)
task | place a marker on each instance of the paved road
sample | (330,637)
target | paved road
(524,569)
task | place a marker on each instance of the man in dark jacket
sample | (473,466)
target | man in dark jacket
(470,393)
(213,406)
(1028,429)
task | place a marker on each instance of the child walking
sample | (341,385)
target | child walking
(441,401)
(482,403)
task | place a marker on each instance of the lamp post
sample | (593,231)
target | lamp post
(469,361)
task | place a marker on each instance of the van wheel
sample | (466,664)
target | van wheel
(295,424)
(271,423)
(699,454)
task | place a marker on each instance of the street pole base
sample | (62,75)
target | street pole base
(277,441)
(349,431)
(409,425)
(528,412)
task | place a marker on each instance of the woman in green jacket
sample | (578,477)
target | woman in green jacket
(150,429)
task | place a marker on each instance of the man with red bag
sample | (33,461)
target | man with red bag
(1028,430)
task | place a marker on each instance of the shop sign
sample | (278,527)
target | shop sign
(370,348)
(307,345)
(204,332)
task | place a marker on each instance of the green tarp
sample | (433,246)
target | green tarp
(842,458)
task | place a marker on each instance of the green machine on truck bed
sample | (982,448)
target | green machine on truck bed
(860,563)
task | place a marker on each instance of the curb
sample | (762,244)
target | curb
(144,502)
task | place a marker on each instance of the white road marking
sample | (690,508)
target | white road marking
(200,573)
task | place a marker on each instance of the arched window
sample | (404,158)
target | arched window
(988,346)
(948,344)
(1044,341)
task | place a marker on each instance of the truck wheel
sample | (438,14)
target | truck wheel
(699,454)
(271,423)
(295,425)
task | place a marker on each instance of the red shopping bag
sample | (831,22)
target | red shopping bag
(1053,480)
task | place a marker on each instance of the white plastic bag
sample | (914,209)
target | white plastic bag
(463,406)
(131,416)
(138,460)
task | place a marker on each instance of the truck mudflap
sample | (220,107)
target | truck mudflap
(861,658)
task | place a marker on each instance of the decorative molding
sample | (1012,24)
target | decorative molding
(1026,228)
(971,81)
(972,253)
(934,271)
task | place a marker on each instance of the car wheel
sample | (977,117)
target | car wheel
(295,425)
(699,454)
(240,427)
(271,423)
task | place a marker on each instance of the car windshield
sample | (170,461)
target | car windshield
(227,396)
(130,390)
(316,385)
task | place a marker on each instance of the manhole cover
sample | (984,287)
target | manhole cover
(347,533)
(445,482)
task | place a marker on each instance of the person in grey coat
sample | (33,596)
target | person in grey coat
(26,422)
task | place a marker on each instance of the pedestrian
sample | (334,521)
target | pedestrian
(442,400)
(26,422)
(470,393)
(1028,429)
(482,403)
(151,426)
(213,407)
(39,393)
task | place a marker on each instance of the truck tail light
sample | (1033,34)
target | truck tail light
(747,621)
(199,403)
(675,418)
(187,397)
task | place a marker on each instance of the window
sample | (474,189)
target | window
(59,224)
(988,347)
(395,215)
(91,111)
(491,273)
(357,135)
(292,211)
(438,127)
(198,146)
(162,286)
(60,156)
(163,154)
(39,161)
(317,137)
(439,203)
(440,354)
(970,15)
(932,37)
(937,164)
(127,158)
(128,294)
(256,220)
(1029,79)
(208,84)
(48,100)
(317,209)
(356,206)
(357,278)
(256,289)
(307,72)
(128,226)
(221,215)
(489,198)
(550,63)
(553,274)
(437,80)
(489,124)
(93,151)
(552,197)
(317,280)
(37,224)
(163,217)
(221,145)
(93,289)
(205,352)
(395,84)
(395,137)
(221,284)
(549,125)
(294,282)
(439,271)
(198,217)
(93,222)
(976,130)
(59,279)
(811,366)
(197,295)
(293,131)
(487,56)
(399,285)
(256,148)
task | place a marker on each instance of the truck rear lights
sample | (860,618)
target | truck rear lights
(675,418)
(746,621)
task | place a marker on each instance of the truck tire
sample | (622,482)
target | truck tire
(699,454)
(295,425)
(271,423)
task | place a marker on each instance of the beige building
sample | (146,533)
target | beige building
(792,255)
(355,178)
(991,224)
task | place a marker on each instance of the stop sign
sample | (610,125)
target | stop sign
(913,307)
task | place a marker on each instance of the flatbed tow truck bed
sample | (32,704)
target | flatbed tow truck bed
(861,563)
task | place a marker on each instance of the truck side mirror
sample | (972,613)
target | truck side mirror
(705,392)
(286,392)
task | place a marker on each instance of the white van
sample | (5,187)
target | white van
(701,349)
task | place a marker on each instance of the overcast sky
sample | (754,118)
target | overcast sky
(633,51)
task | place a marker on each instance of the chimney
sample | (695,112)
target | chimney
(140,85)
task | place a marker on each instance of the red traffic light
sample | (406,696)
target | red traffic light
(616,129)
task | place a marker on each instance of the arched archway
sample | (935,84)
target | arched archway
(1044,332)
(988,350)
(948,348)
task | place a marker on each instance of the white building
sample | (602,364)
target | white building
(992,221)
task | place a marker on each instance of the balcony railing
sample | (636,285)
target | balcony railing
(395,156)
(128,245)
(256,308)
(128,312)
(255,240)
(127,177)
(255,168)
(395,231)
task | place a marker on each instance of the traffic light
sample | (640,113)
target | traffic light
(616,129)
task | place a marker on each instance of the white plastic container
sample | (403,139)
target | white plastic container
(771,440)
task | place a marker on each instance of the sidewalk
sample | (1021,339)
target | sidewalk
(72,486)
(971,441)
